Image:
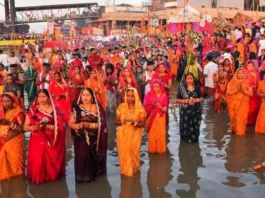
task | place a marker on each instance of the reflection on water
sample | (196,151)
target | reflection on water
(219,166)
(190,161)
(159,174)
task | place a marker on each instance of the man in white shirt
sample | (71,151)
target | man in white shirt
(12,59)
(4,59)
(238,34)
(208,72)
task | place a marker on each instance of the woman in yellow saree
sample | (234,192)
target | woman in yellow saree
(11,137)
(130,119)
(239,92)
(3,74)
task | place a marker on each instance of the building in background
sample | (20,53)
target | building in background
(233,4)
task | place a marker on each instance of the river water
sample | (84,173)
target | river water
(219,166)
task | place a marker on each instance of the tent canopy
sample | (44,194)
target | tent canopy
(187,15)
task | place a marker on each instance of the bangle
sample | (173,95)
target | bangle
(135,123)
(14,127)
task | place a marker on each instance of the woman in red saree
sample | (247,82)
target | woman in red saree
(255,100)
(59,90)
(76,83)
(46,150)
(156,104)
(11,137)
(229,68)
(220,85)
(127,80)
(95,82)
(162,73)
(58,62)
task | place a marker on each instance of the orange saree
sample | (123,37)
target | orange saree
(260,124)
(129,138)
(238,105)
(11,151)
(98,87)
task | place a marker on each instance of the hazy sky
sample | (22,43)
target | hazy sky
(39,27)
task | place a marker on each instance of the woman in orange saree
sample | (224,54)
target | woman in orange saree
(239,92)
(130,119)
(173,60)
(11,137)
(241,49)
(59,90)
(95,82)
(255,100)
(3,74)
(260,124)
(37,65)
(156,104)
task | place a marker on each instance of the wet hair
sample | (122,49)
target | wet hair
(8,96)
(58,73)
(185,77)
(13,66)
(252,56)
(150,63)
(91,93)
(45,91)
(10,75)
(46,65)
(209,58)
(109,66)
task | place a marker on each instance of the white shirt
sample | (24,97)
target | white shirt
(209,70)
(4,59)
(12,60)
(238,35)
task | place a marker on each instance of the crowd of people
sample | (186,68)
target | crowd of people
(45,92)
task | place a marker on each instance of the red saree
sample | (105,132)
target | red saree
(76,85)
(46,150)
(255,100)
(164,78)
(61,97)
(127,82)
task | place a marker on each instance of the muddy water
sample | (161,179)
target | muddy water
(219,166)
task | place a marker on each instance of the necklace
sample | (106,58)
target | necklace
(45,109)
(89,110)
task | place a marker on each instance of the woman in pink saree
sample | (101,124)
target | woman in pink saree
(255,100)
(155,104)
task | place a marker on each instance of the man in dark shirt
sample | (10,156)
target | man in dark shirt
(236,55)
(214,54)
